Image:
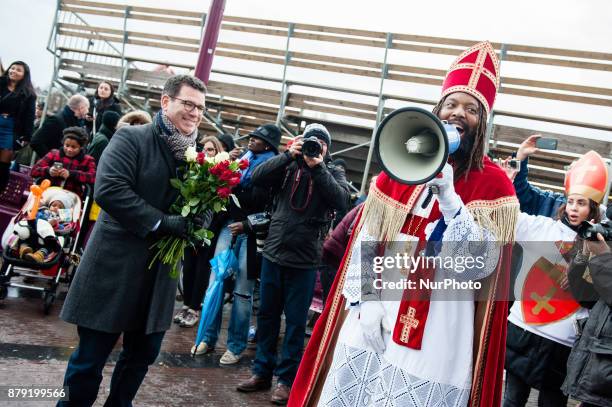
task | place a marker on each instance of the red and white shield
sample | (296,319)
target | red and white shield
(543,301)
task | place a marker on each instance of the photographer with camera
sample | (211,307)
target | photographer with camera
(238,235)
(589,365)
(308,190)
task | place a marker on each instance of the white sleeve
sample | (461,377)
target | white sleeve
(464,239)
(532,227)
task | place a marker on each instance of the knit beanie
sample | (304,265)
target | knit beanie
(319,131)
(61,196)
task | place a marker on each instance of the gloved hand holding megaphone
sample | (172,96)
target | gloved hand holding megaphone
(448,200)
(413,145)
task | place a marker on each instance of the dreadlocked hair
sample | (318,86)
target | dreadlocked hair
(463,165)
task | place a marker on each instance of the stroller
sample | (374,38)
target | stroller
(60,264)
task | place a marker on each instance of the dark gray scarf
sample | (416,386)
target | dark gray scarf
(177,142)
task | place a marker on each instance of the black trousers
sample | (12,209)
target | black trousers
(196,273)
(517,392)
(84,372)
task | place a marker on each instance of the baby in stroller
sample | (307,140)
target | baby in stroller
(55,210)
(40,238)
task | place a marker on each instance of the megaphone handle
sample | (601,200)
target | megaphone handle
(433,189)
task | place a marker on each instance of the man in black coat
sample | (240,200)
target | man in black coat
(308,193)
(49,134)
(114,291)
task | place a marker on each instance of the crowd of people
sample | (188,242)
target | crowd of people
(366,348)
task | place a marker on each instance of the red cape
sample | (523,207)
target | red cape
(484,190)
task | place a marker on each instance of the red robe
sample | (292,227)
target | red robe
(490,197)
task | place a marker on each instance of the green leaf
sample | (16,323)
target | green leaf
(217,206)
(185,192)
(185,211)
(194,201)
(176,183)
(203,234)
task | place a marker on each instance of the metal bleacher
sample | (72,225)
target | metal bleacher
(292,73)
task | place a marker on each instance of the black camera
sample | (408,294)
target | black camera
(588,231)
(514,163)
(312,147)
(259,223)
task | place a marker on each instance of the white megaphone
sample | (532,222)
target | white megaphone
(412,145)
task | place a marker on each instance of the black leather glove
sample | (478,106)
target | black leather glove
(202,221)
(173,225)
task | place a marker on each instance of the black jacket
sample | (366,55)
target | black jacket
(300,219)
(589,367)
(21,108)
(49,134)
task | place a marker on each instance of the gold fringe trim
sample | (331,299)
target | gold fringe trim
(499,216)
(383,216)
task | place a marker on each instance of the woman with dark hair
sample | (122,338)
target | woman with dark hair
(103,100)
(541,324)
(17,106)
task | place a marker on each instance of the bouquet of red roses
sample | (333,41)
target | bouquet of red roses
(206,184)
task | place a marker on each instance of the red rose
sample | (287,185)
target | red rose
(244,164)
(200,158)
(226,175)
(224,192)
(224,164)
(216,171)
(234,181)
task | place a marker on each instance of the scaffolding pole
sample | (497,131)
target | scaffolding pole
(379,114)
(284,84)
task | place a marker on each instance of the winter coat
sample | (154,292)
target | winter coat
(114,290)
(81,169)
(303,210)
(589,367)
(252,199)
(335,246)
(49,135)
(21,108)
(99,143)
(533,200)
(538,361)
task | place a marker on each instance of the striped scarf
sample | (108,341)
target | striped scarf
(177,142)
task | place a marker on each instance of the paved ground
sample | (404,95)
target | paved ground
(34,349)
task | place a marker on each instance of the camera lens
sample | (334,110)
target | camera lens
(311,147)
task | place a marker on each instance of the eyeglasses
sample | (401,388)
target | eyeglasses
(189,106)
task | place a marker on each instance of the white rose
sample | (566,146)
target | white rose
(191,154)
(223,156)
(210,160)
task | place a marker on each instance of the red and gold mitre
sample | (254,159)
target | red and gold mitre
(476,72)
(587,177)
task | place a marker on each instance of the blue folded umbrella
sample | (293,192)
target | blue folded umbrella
(223,265)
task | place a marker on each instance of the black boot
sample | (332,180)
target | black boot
(5,172)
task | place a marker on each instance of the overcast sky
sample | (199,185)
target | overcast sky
(570,24)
